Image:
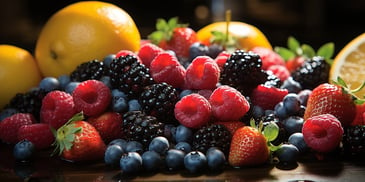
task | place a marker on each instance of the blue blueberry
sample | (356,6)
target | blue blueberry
(293,124)
(112,155)
(280,111)
(118,93)
(70,87)
(195,161)
(159,144)
(106,81)
(49,83)
(197,49)
(169,132)
(297,139)
(303,96)
(185,93)
(108,59)
(287,154)
(151,161)
(64,80)
(119,104)
(134,146)
(291,85)
(23,150)
(183,146)
(131,162)
(214,50)
(121,142)
(133,105)
(183,134)
(257,112)
(215,159)
(291,103)
(174,159)
(7,112)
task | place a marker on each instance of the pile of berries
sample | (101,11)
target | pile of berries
(195,108)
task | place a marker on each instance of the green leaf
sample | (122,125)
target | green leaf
(271,131)
(285,53)
(173,22)
(274,148)
(294,45)
(161,24)
(252,123)
(327,50)
(308,51)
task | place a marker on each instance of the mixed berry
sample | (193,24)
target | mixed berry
(182,105)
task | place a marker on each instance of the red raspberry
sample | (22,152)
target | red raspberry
(267,96)
(228,104)
(148,52)
(322,133)
(232,126)
(57,108)
(280,71)
(268,57)
(92,97)
(202,73)
(166,68)
(39,134)
(10,125)
(295,63)
(193,111)
(221,59)
(108,124)
(360,113)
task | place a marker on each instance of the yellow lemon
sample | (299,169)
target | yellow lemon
(247,36)
(18,72)
(81,32)
(349,64)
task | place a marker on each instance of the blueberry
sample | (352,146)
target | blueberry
(49,83)
(112,155)
(131,162)
(159,144)
(291,103)
(214,50)
(23,150)
(185,93)
(303,96)
(121,142)
(297,139)
(183,134)
(108,59)
(293,124)
(118,93)
(7,112)
(119,104)
(280,111)
(134,146)
(257,111)
(287,154)
(197,49)
(106,81)
(63,80)
(169,131)
(291,85)
(184,146)
(174,159)
(215,159)
(151,161)
(134,105)
(195,161)
(70,87)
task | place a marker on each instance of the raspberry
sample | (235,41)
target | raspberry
(268,57)
(193,111)
(39,134)
(267,96)
(221,59)
(360,113)
(166,68)
(9,126)
(280,71)
(92,97)
(228,104)
(322,133)
(148,52)
(57,108)
(202,73)
(108,124)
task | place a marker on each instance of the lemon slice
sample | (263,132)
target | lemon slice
(349,64)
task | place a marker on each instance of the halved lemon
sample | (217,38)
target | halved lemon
(349,64)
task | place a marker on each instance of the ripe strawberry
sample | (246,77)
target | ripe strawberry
(331,99)
(9,126)
(78,140)
(170,35)
(232,126)
(108,124)
(267,96)
(248,148)
(39,134)
(360,113)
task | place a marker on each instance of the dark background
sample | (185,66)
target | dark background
(314,22)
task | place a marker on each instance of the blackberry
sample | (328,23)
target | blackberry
(312,73)
(91,70)
(129,75)
(242,71)
(28,102)
(137,126)
(159,100)
(272,80)
(213,135)
(354,141)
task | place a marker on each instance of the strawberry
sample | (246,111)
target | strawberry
(360,113)
(9,126)
(78,140)
(332,99)
(232,126)
(267,96)
(170,35)
(108,124)
(40,134)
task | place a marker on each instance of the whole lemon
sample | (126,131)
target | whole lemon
(81,32)
(18,72)
(247,36)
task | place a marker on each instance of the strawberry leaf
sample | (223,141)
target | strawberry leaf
(285,53)
(271,131)
(308,51)
(326,50)
(294,45)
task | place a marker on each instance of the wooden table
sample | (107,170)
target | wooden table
(44,168)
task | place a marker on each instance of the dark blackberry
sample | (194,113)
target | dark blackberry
(242,71)
(312,73)
(354,141)
(272,80)
(214,135)
(28,102)
(91,70)
(129,75)
(137,126)
(159,100)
